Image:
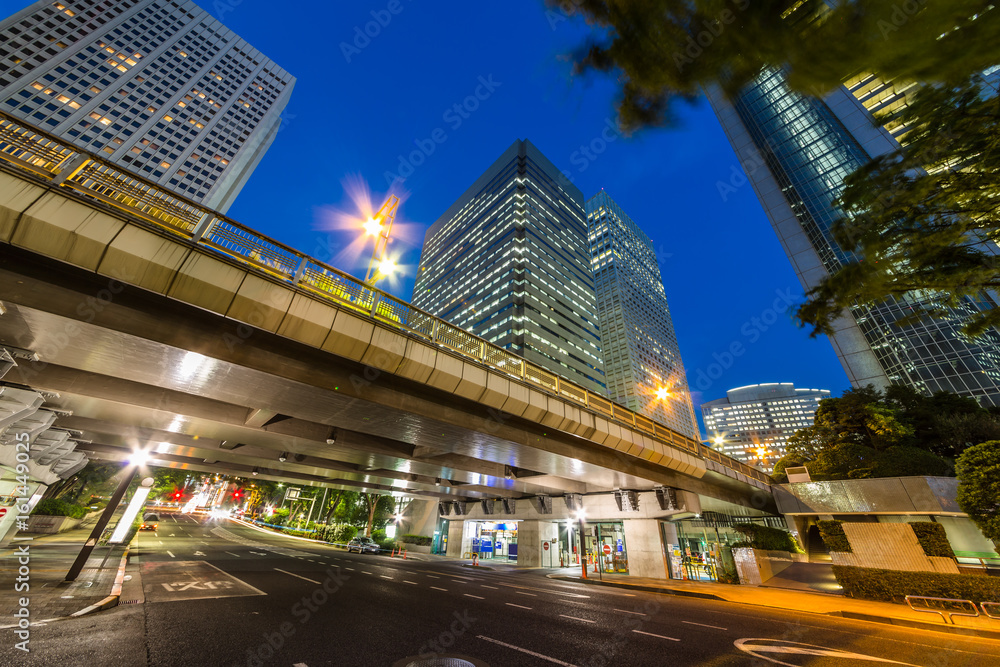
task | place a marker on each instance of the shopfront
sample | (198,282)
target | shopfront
(604,546)
(700,549)
(494,541)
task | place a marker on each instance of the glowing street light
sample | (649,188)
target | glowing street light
(662,393)
(719,440)
(386,267)
(380,226)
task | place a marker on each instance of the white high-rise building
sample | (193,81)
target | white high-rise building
(753,423)
(157,87)
(509,262)
(642,361)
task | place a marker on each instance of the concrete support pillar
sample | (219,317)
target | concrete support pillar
(529,543)
(644,548)
(458,543)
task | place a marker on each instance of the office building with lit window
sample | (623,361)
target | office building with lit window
(509,261)
(642,362)
(753,423)
(157,87)
(796,151)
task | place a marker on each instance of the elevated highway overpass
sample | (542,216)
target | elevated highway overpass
(144,320)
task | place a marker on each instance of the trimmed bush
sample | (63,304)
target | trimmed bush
(893,585)
(342,533)
(420,540)
(834,537)
(933,539)
(767,538)
(55,507)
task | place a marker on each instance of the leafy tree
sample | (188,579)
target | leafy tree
(864,433)
(376,506)
(979,487)
(662,51)
(94,479)
(921,219)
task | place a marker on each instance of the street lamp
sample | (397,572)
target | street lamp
(380,226)
(662,393)
(137,460)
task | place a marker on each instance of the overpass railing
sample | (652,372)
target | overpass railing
(48,157)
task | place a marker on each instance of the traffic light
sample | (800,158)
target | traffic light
(237,495)
(177,495)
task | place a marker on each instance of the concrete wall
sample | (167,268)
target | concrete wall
(889,546)
(755,566)
(457,543)
(644,548)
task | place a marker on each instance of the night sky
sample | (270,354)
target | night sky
(349,122)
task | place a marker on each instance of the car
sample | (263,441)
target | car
(363,545)
(150,522)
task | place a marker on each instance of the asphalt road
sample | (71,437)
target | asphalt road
(220,593)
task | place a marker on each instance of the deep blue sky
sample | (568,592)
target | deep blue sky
(721,263)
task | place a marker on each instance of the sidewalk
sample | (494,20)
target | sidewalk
(801,601)
(49,559)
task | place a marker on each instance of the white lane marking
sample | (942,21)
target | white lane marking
(523,593)
(159,541)
(172,518)
(468,595)
(349,568)
(654,635)
(439,589)
(796,648)
(171,555)
(433,576)
(313,581)
(199,553)
(459,582)
(300,664)
(363,572)
(231,553)
(410,582)
(493,587)
(714,627)
(524,650)
(385,577)
(626,611)
(519,606)
(585,620)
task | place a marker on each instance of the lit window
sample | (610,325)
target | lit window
(168,118)
(74,104)
(37,86)
(95,89)
(181,103)
(151,109)
(182,54)
(136,150)
(164,164)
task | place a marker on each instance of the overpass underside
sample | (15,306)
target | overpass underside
(221,359)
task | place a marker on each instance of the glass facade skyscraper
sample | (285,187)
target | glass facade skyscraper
(753,423)
(509,261)
(157,87)
(796,151)
(641,356)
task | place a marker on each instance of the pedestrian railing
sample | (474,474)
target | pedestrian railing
(48,157)
(944,607)
(987,606)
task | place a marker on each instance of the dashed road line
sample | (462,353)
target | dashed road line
(493,587)
(524,650)
(519,606)
(523,593)
(231,553)
(626,611)
(171,555)
(469,595)
(410,582)
(385,577)
(673,639)
(575,618)
(439,589)
(714,627)
(313,581)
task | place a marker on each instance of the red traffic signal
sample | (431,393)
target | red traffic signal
(177,495)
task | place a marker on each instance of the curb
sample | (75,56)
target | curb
(477,567)
(850,615)
(116,590)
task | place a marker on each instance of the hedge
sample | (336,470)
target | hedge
(834,537)
(933,539)
(893,585)
(767,538)
(55,507)
(420,540)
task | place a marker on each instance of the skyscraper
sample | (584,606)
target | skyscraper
(509,261)
(157,87)
(753,423)
(642,362)
(796,151)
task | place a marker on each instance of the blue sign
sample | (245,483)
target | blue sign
(486,546)
(621,547)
